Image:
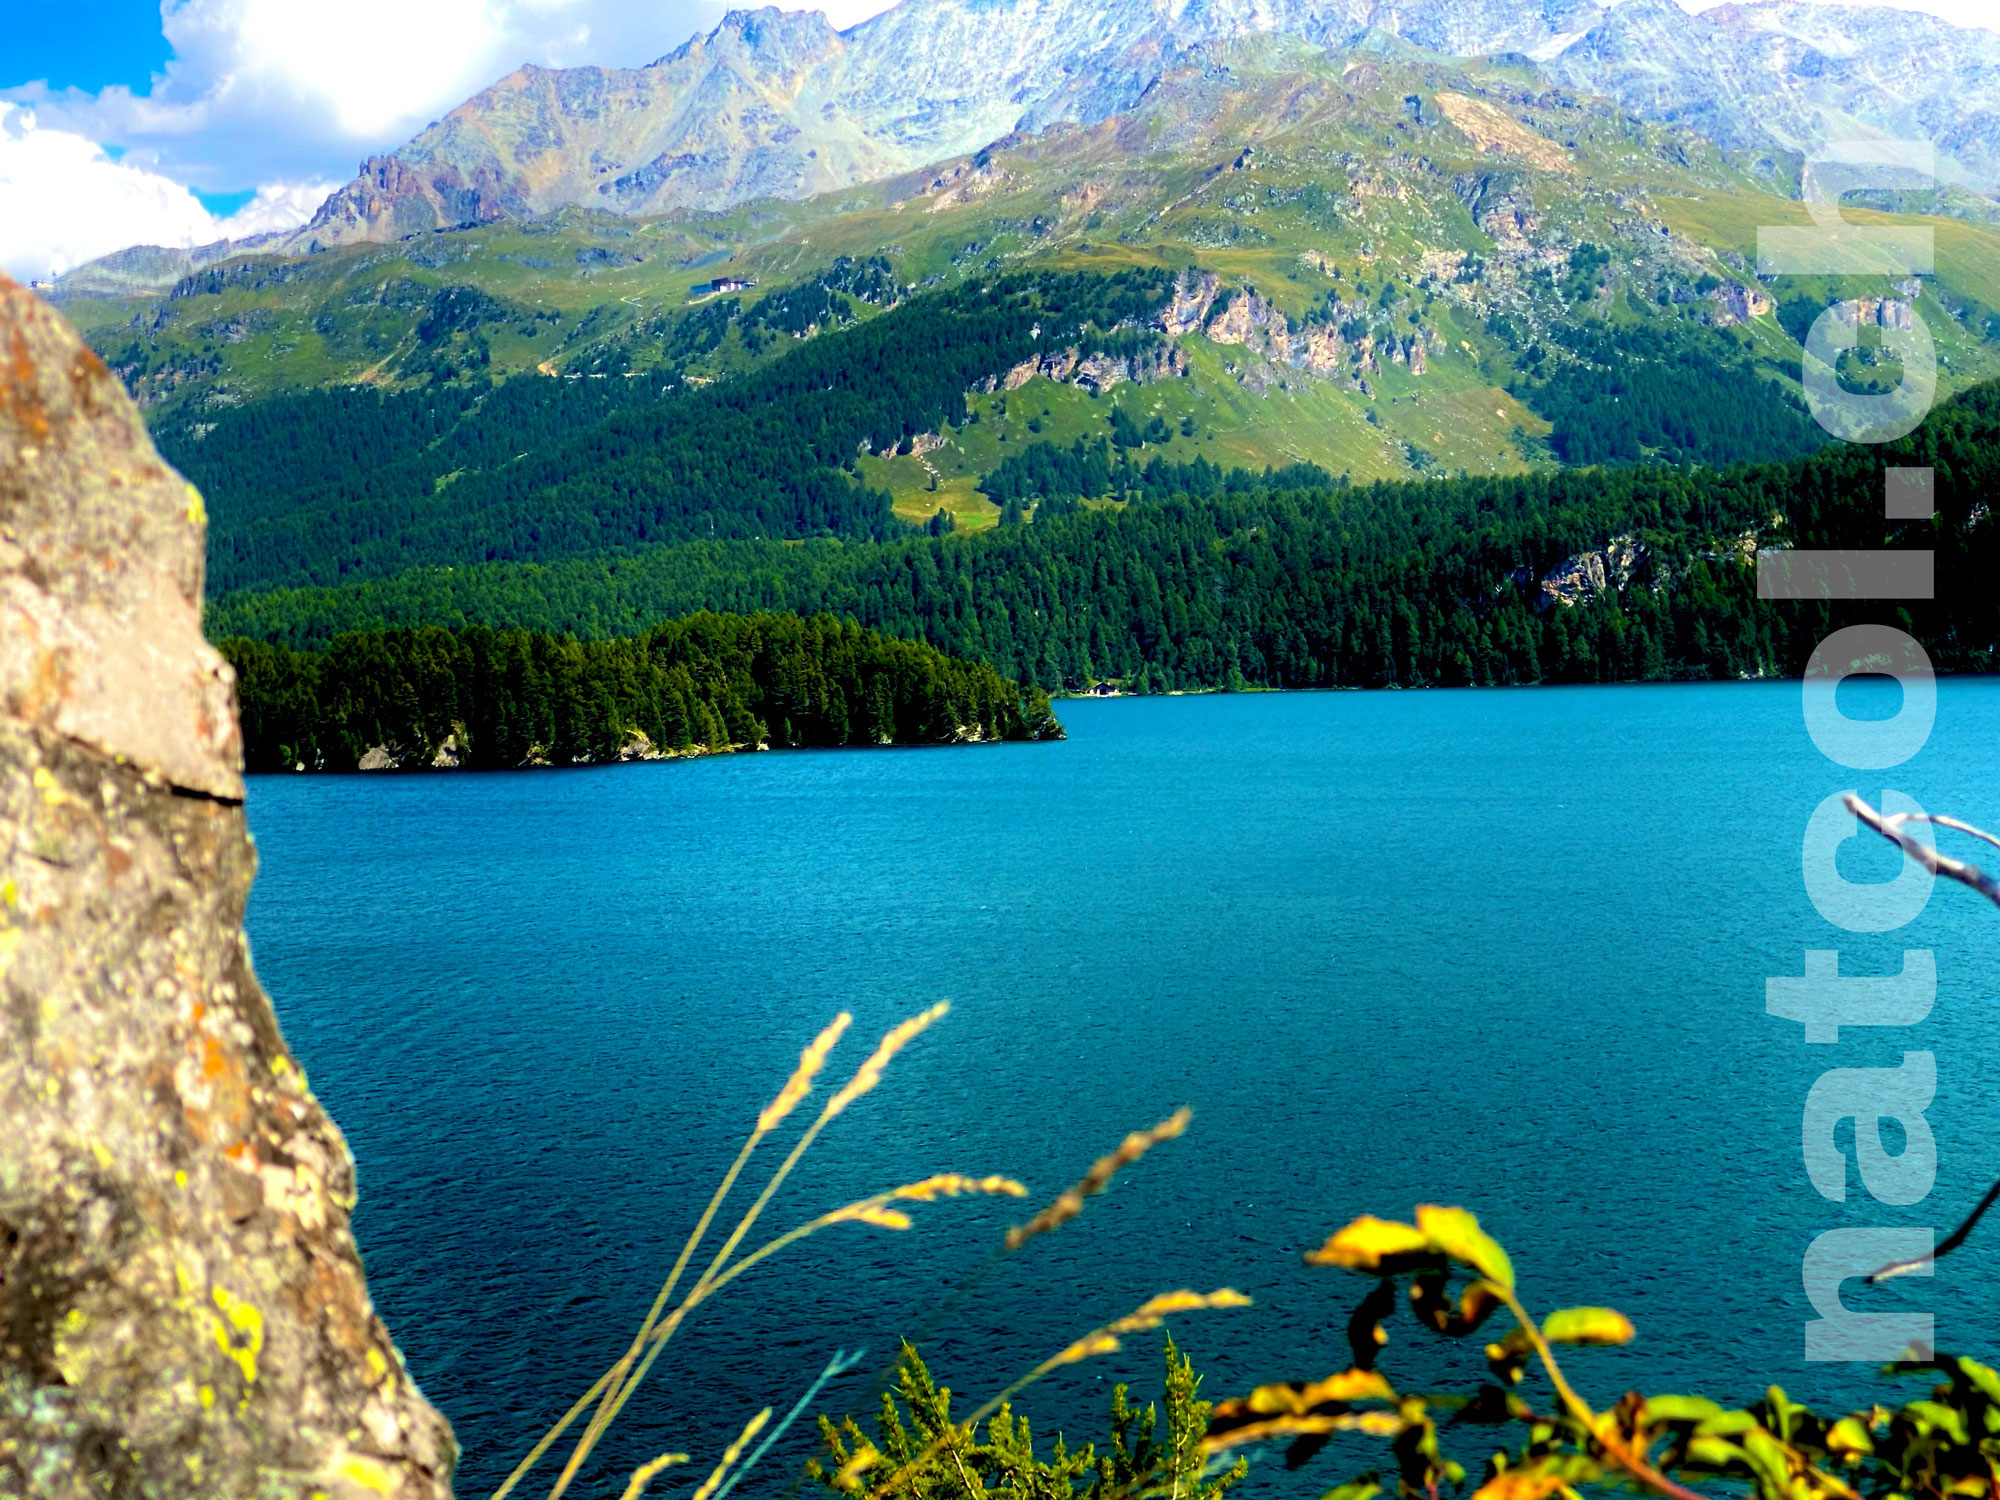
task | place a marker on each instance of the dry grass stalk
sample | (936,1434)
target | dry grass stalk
(1070,1203)
(609,1388)
(643,1475)
(616,1385)
(733,1452)
(840,1364)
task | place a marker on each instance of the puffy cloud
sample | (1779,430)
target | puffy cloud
(1973,14)
(64,200)
(285,93)
(266,89)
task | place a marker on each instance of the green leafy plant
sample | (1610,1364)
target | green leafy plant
(947,1460)
(1455,1277)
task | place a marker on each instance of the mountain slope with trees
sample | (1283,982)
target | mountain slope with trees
(1637,573)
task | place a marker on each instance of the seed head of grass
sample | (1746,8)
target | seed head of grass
(876,1210)
(800,1083)
(615,1387)
(951,1184)
(733,1452)
(643,1475)
(870,1072)
(1149,1314)
(866,1456)
(1070,1203)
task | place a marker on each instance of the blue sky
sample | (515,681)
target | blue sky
(84,44)
(186,121)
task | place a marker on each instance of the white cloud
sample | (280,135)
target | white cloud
(259,89)
(284,92)
(1968,13)
(63,201)
(278,205)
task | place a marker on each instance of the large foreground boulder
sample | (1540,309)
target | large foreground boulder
(182,1309)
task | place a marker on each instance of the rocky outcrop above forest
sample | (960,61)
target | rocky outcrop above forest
(182,1308)
(1342,340)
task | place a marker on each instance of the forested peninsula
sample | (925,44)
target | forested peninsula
(498,699)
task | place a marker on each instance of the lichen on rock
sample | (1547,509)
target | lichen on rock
(182,1306)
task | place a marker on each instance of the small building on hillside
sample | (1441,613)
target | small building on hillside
(719,285)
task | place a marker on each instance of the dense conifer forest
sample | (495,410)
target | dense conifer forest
(328,486)
(1419,583)
(493,699)
(345,484)
(1635,393)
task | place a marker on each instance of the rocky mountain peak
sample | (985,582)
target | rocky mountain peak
(783,40)
(777,103)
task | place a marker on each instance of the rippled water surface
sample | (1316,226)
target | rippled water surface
(1504,948)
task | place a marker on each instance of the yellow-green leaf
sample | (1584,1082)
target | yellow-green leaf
(1849,1436)
(1458,1235)
(1366,1243)
(1715,1453)
(1587,1325)
(1538,1478)
(1678,1409)
(1936,1415)
(1983,1377)
(1726,1424)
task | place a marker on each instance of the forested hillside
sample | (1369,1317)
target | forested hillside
(326,486)
(1380,286)
(490,700)
(1295,374)
(1608,575)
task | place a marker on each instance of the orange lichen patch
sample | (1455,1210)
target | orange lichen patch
(87,375)
(24,401)
(214,1061)
(47,688)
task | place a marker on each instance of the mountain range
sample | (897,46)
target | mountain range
(1178,258)
(775,104)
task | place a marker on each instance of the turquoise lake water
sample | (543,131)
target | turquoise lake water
(1498,948)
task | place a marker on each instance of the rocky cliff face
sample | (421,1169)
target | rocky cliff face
(779,104)
(1794,75)
(182,1310)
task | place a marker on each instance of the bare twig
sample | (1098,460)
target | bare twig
(1950,1243)
(1890,826)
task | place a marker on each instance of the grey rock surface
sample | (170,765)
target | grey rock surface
(182,1307)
